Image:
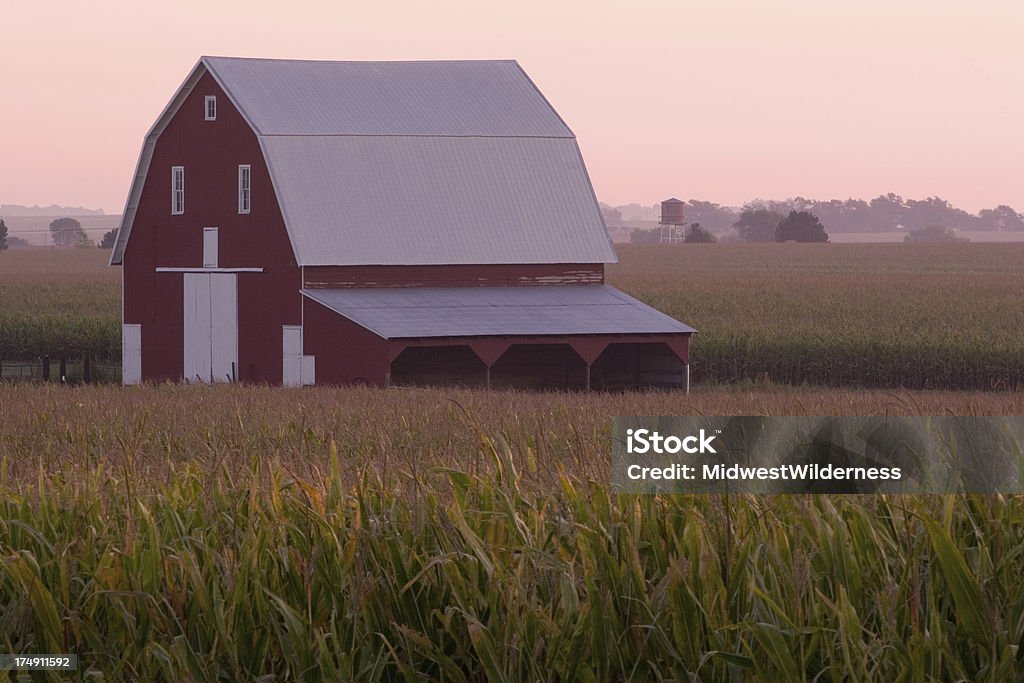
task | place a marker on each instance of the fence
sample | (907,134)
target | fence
(69,370)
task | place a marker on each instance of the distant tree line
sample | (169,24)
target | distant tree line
(891,212)
(769,225)
(885,213)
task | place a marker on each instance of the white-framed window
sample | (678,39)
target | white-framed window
(210,107)
(177,190)
(244,188)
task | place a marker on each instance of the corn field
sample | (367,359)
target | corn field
(232,533)
(59,302)
(871,315)
(275,578)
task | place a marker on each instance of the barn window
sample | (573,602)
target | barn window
(244,181)
(210,247)
(211,108)
(177,190)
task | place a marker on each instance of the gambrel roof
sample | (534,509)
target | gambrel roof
(409,163)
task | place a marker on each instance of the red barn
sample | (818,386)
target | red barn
(300,222)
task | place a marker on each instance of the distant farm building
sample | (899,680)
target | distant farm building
(673,221)
(296,222)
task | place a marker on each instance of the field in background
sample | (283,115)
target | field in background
(984,236)
(59,302)
(244,533)
(916,316)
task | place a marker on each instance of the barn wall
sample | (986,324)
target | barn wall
(210,151)
(453,275)
(345,353)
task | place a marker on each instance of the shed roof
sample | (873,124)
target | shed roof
(424,312)
(408,163)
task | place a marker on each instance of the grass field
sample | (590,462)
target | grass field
(245,533)
(914,316)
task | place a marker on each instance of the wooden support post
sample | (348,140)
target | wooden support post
(686,381)
(488,376)
(588,376)
(387,379)
(63,369)
(86,369)
(46,368)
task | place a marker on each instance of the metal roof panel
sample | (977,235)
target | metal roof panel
(476,98)
(351,200)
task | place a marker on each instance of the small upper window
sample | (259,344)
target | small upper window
(177,190)
(244,183)
(211,108)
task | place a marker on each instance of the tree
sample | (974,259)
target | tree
(1002,217)
(3,235)
(612,216)
(697,234)
(711,216)
(758,225)
(887,212)
(108,239)
(933,233)
(641,236)
(920,213)
(801,226)
(67,232)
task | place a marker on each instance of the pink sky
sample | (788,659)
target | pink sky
(723,101)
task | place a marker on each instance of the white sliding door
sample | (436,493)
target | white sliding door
(198,359)
(211,327)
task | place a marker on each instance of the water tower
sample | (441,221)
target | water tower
(673,221)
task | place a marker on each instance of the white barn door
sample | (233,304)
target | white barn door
(131,354)
(224,326)
(211,327)
(291,371)
(198,359)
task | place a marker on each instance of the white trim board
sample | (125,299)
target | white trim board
(209,270)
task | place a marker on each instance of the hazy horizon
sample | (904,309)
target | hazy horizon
(725,103)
